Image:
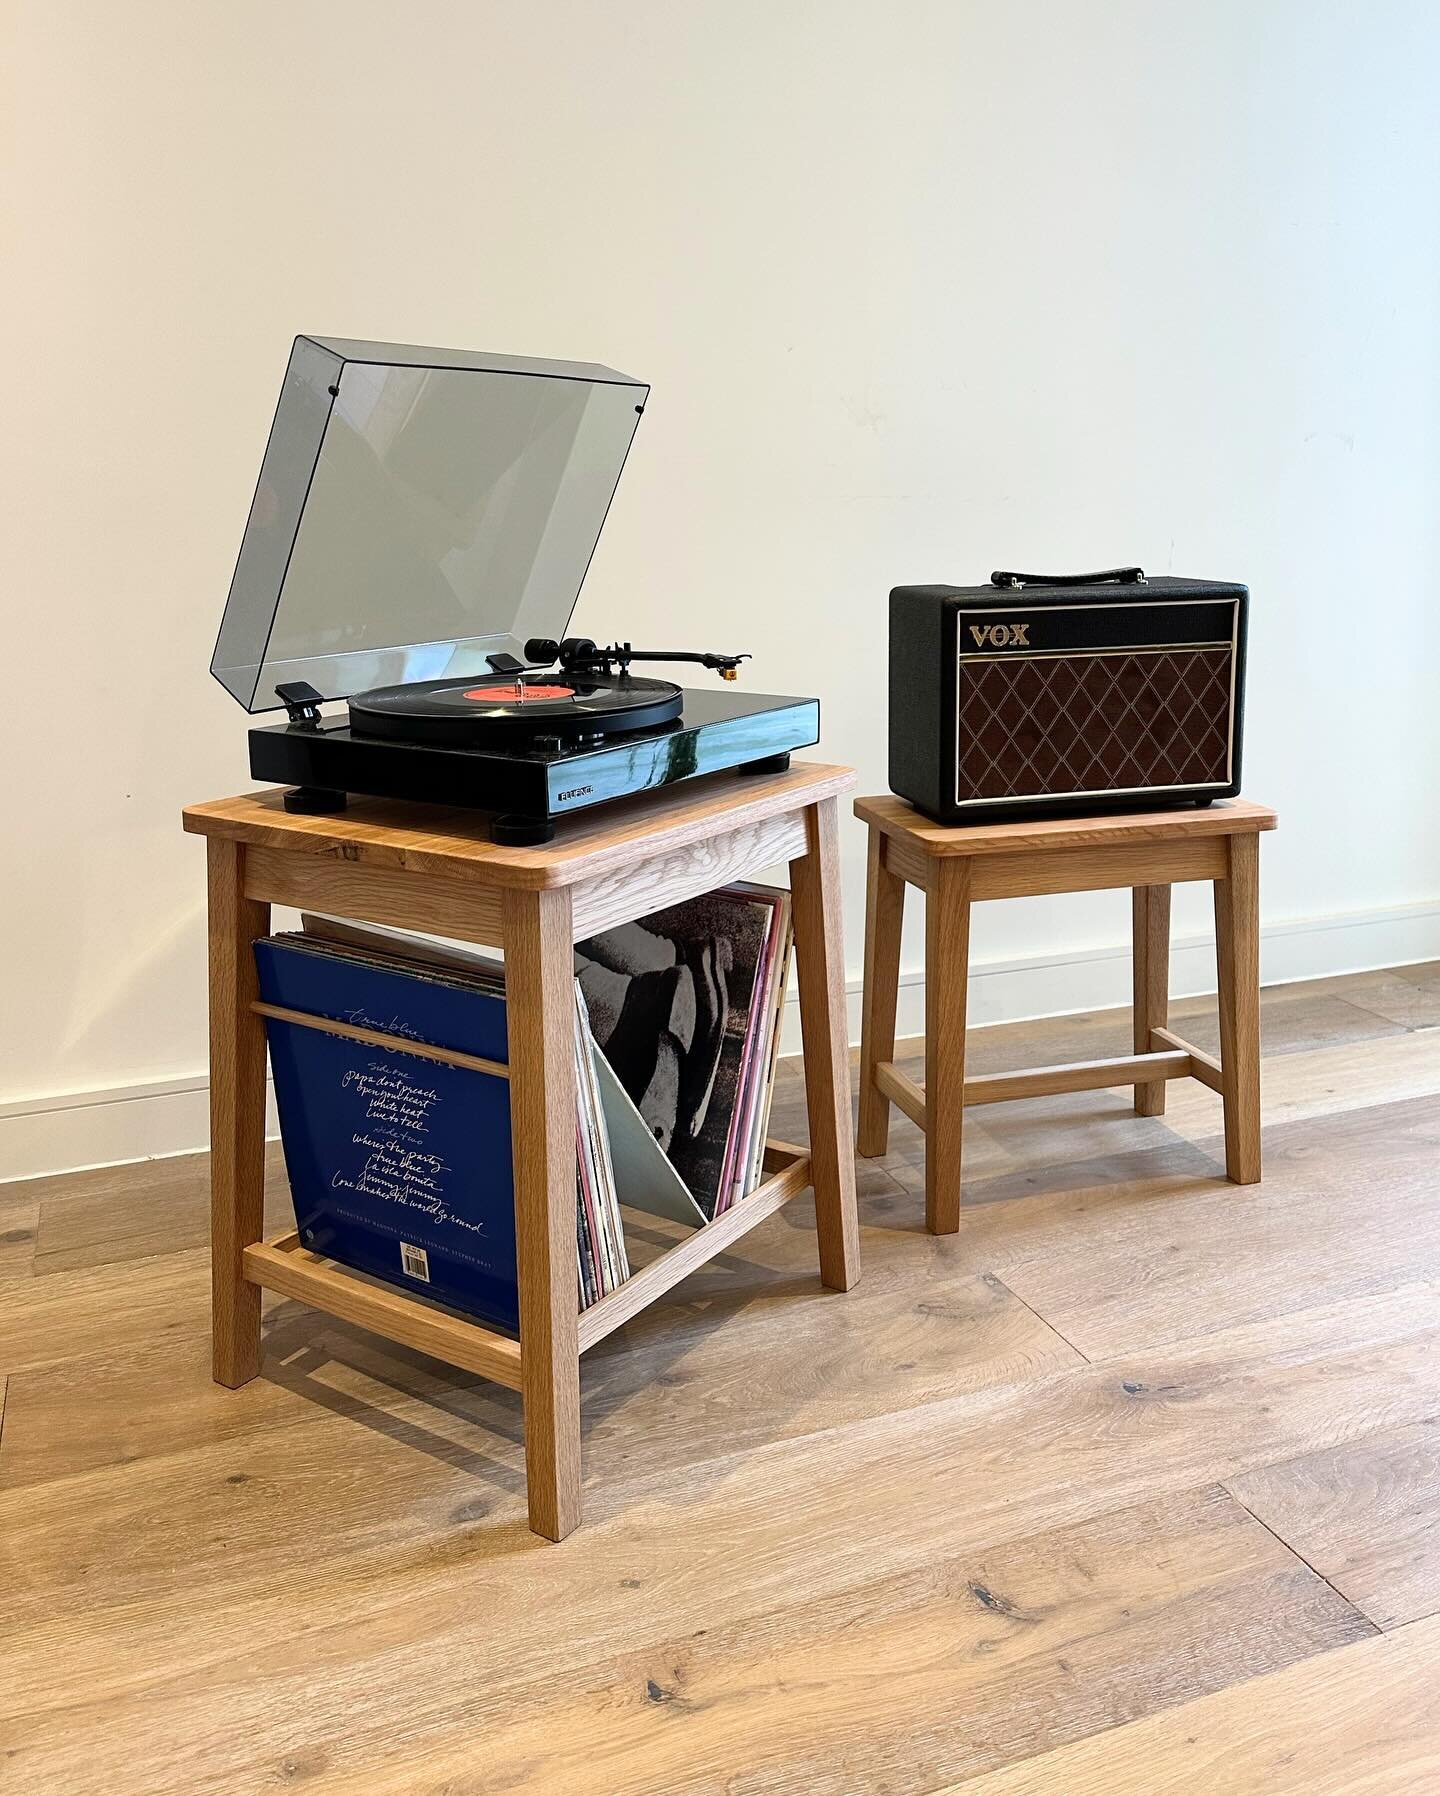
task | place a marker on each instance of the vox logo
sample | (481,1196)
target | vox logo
(1001,636)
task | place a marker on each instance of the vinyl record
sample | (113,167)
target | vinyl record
(495,709)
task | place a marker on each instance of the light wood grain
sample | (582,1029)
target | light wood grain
(820,972)
(907,860)
(776,1155)
(1150,950)
(677,1382)
(287,1267)
(540,1015)
(1147,853)
(1322,1081)
(1204,1067)
(1237,946)
(900,1089)
(894,817)
(394,1636)
(451,843)
(396,898)
(77,1315)
(237,1111)
(661,1275)
(99,1222)
(1359,1722)
(1037,1081)
(1118,1262)
(376,1038)
(884,916)
(1097,867)
(649,883)
(1408,997)
(1144,1607)
(1077,1075)
(947,971)
(1302,1017)
(391,864)
(19,1230)
(862,1548)
(1365,1515)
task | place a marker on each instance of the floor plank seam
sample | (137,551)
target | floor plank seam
(1044,1321)
(1370,1010)
(1295,1553)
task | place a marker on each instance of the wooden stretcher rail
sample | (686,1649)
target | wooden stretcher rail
(650,1282)
(1204,1067)
(399,1044)
(285,1266)
(902,1091)
(1076,1075)
(1179,1061)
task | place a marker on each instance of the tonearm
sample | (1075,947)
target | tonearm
(578,654)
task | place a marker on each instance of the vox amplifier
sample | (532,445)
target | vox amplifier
(1046,695)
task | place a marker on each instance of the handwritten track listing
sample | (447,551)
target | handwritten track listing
(393,1162)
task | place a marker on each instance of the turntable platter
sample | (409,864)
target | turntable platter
(572,707)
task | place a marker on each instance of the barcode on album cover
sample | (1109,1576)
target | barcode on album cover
(415,1261)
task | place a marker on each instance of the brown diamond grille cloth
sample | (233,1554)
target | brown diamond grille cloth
(1093,723)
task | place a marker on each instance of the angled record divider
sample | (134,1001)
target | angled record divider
(422,868)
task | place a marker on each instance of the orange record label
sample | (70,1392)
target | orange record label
(496,695)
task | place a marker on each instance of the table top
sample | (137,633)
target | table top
(1227,817)
(423,838)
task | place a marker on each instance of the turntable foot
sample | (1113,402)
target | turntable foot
(314,801)
(771,764)
(514,830)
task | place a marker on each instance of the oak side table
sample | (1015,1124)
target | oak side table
(427,868)
(954,867)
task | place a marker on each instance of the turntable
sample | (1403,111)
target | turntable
(422,525)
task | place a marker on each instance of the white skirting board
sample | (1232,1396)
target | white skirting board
(64,1131)
(1040,985)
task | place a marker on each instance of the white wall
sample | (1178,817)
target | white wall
(923,288)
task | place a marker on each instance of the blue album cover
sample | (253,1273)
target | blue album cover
(399,1166)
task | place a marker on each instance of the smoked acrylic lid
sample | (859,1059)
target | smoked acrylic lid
(418,510)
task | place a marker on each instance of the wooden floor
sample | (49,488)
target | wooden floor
(1132,1487)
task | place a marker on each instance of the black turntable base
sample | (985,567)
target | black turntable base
(532,747)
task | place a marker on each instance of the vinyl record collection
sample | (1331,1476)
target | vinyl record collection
(400,1162)
(686,1006)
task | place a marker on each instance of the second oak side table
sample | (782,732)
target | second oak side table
(954,867)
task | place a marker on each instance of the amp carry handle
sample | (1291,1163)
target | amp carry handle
(1110,576)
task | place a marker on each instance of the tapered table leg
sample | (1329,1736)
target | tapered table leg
(540,1014)
(1237,951)
(1151,957)
(947,973)
(820,964)
(884,915)
(237,1113)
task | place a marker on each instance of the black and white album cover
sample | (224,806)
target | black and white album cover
(671,1001)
